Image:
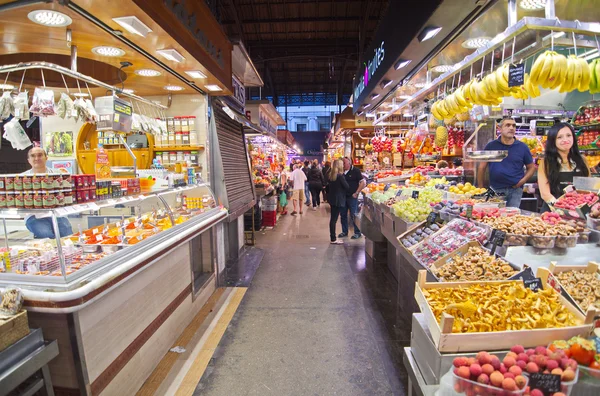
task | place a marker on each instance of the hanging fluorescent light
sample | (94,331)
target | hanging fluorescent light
(171,55)
(367,106)
(442,68)
(419,85)
(108,51)
(213,87)
(375,96)
(402,63)
(128,91)
(592,56)
(173,88)
(147,72)
(133,25)
(385,83)
(7,87)
(195,74)
(532,4)
(49,18)
(588,53)
(428,32)
(476,42)
(404,97)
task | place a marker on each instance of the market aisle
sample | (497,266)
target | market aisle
(317,319)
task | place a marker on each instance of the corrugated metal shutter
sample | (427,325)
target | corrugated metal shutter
(236,168)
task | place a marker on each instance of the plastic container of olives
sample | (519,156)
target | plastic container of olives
(541,241)
(566,241)
(584,237)
(515,240)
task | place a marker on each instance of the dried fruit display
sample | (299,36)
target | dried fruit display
(583,286)
(476,264)
(499,307)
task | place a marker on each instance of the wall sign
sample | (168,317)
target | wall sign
(239,92)
(370,68)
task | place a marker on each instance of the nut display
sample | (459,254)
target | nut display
(499,307)
(583,286)
(476,264)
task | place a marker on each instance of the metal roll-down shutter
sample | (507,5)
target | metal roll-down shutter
(236,167)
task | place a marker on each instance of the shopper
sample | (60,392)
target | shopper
(315,183)
(298,179)
(356,183)
(282,190)
(562,161)
(41,227)
(326,169)
(508,176)
(338,189)
(306,169)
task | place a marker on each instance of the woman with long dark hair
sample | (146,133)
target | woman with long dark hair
(338,189)
(562,161)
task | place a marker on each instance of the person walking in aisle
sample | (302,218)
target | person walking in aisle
(326,169)
(298,179)
(508,176)
(356,183)
(306,169)
(283,189)
(315,183)
(338,189)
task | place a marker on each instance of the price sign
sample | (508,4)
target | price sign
(99,237)
(431,218)
(415,194)
(497,239)
(516,75)
(469,211)
(534,284)
(94,231)
(547,383)
(399,193)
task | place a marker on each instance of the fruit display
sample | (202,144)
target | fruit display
(441,136)
(484,213)
(486,307)
(411,210)
(448,208)
(429,251)
(582,285)
(437,182)
(381,144)
(383,196)
(582,351)
(476,264)
(417,179)
(467,189)
(456,138)
(467,229)
(419,234)
(586,139)
(594,217)
(575,203)
(587,115)
(534,145)
(458,171)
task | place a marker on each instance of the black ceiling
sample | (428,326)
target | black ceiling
(303,46)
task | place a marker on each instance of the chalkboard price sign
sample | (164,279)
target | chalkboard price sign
(516,75)
(547,383)
(534,284)
(497,239)
(431,218)
(415,194)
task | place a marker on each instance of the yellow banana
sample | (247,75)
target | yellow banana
(537,67)
(568,82)
(578,76)
(492,85)
(559,70)
(502,79)
(546,70)
(460,98)
(467,93)
(473,93)
(435,112)
(584,85)
(442,110)
(451,105)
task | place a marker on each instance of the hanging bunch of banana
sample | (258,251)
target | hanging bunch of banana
(525,91)
(594,69)
(549,70)
(578,75)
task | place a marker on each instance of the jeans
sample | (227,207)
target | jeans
(352,206)
(42,228)
(335,213)
(512,196)
(307,193)
(315,193)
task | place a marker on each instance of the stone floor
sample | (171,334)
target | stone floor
(317,319)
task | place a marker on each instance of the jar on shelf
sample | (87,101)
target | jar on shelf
(180,156)
(172,157)
(178,138)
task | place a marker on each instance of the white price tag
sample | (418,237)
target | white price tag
(118,224)
(70,209)
(68,242)
(144,217)
(99,237)
(94,231)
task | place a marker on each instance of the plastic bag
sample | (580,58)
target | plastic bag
(15,134)
(93,115)
(22,106)
(12,302)
(7,106)
(64,108)
(135,122)
(43,102)
(81,110)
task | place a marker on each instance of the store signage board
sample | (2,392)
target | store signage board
(369,69)
(534,284)
(516,75)
(547,383)
(239,92)
(192,25)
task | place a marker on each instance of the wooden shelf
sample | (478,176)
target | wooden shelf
(178,148)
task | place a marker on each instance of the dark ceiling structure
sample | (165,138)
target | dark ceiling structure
(303,47)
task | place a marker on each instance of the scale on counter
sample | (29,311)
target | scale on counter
(541,127)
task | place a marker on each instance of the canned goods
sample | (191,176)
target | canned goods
(28,199)
(18,183)
(36,182)
(10,199)
(2,199)
(9,182)
(19,203)
(38,200)
(27,183)
(47,182)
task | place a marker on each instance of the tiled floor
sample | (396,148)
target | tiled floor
(317,319)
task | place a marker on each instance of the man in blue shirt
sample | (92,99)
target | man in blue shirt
(509,175)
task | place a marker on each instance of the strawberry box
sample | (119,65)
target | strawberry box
(575,203)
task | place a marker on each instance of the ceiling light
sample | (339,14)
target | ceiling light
(428,32)
(213,87)
(367,106)
(81,95)
(108,51)
(532,4)
(195,74)
(442,68)
(7,86)
(476,42)
(401,63)
(407,115)
(147,72)
(173,88)
(375,96)
(404,97)
(172,55)
(49,18)
(385,83)
(419,85)
(592,56)
(133,25)
(370,115)
(128,91)
(360,113)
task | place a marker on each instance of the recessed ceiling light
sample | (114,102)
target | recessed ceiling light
(49,18)
(7,86)
(369,115)
(81,95)
(173,88)
(532,4)
(133,25)
(419,85)
(402,63)
(442,68)
(428,32)
(195,74)
(172,55)
(108,51)
(476,42)
(367,106)
(375,96)
(385,83)
(128,91)
(404,97)
(147,73)
(213,87)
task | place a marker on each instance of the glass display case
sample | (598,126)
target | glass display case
(93,238)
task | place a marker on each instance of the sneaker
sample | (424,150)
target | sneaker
(337,242)
(314,208)
(284,213)
(356,236)
(342,235)
(294,213)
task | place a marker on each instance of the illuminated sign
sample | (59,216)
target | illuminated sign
(370,69)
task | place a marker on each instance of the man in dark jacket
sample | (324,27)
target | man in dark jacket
(326,168)
(315,183)
(356,183)
(305,169)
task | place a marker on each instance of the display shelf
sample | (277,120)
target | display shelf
(179,148)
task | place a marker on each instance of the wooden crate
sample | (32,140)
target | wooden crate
(544,274)
(447,341)
(13,329)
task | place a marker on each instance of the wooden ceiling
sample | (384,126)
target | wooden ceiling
(22,36)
